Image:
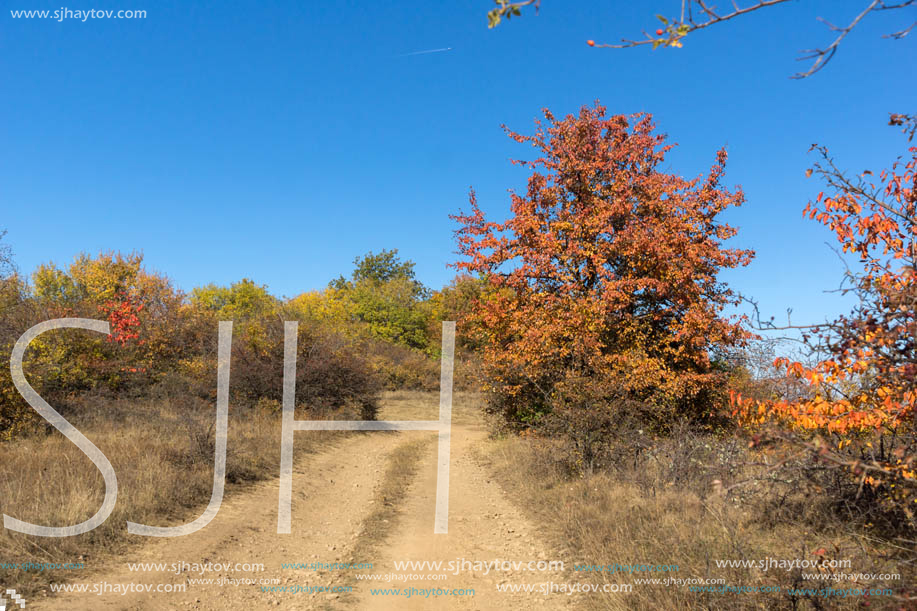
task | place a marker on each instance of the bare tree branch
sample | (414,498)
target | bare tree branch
(900,33)
(707,15)
(823,56)
(681,28)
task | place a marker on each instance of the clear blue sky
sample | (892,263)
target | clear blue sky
(279,140)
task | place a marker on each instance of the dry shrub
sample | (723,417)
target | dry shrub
(663,508)
(18,314)
(401,368)
(331,374)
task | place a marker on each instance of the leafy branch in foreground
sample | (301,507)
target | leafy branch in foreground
(863,395)
(506,9)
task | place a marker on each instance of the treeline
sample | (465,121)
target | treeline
(377,329)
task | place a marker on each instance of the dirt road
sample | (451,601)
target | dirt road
(369,498)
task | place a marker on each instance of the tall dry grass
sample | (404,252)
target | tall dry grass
(665,509)
(162,453)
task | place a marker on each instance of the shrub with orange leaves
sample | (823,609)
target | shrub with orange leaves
(863,397)
(601,288)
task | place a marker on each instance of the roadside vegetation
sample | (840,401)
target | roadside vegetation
(657,425)
(146,394)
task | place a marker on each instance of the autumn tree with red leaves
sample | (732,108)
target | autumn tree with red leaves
(861,411)
(602,285)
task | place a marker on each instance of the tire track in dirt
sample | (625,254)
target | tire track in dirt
(332,495)
(340,510)
(483,526)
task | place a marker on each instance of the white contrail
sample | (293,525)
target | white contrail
(425,52)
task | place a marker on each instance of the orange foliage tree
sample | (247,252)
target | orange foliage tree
(601,288)
(860,411)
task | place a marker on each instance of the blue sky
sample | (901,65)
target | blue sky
(279,140)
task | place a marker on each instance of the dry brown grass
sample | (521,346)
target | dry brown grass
(424,405)
(162,453)
(642,516)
